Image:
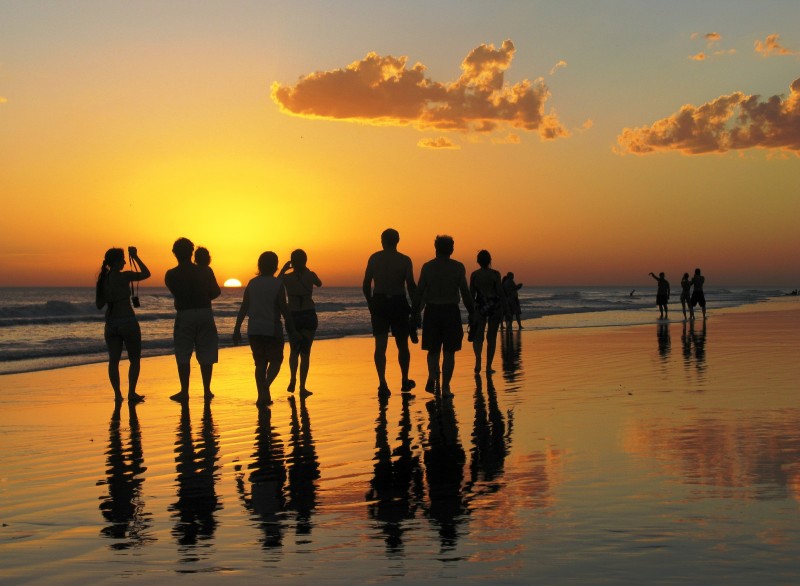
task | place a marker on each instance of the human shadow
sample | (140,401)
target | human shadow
(196,465)
(491,440)
(123,507)
(265,499)
(444,459)
(303,468)
(397,485)
(511,351)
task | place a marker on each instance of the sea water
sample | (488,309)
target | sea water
(47,327)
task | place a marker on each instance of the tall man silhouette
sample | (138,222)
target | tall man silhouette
(392,274)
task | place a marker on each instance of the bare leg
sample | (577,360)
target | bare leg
(184,372)
(294,354)
(114,356)
(491,345)
(380,360)
(404,359)
(448,365)
(305,363)
(433,370)
(206,370)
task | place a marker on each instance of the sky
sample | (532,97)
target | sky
(580,142)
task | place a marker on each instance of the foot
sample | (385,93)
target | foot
(383,391)
(265,401)
(490,370)
(408,384)
(208,395)
(305,393)
(290,388)
(118,397)
(446,392)
(180,397)
(477,369)
(135,398)
(430,386)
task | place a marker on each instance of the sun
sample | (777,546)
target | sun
(233,283)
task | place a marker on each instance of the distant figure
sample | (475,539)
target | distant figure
(441,282)
(486,290)
(686,295)
(511,290)
(698,297)
(264,302)
(392,274)
(193,288)
(662,295)
(113,291)
(299,285)
(632,292)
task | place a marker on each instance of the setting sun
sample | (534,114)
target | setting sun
(233,283)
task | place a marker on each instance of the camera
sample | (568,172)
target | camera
(135,301)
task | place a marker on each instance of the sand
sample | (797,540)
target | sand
(662,452)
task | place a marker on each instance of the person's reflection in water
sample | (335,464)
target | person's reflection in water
(303,469)
(123,508)
(396,488)
(491,441)
(266,499)
(511,350)
(686,346)
(194,511)
(699,341)
(664,340)
(444,470)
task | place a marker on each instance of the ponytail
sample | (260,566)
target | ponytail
(112,256)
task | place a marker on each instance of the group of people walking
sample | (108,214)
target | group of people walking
(691,294)
(269,301)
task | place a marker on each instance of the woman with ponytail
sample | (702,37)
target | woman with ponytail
(113,291)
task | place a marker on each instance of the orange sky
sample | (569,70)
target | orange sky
(573,158)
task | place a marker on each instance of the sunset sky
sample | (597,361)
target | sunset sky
(581,142)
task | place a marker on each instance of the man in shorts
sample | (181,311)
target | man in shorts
(392,274)
(195,331)
(441,282)
(698,297)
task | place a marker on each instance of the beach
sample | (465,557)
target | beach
(661,452)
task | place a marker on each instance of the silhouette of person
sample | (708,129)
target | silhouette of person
(193,287)
(123,508)
(490,442)
(486,290)
(441,281)
(113,291)
(513,309)
(511,349)
(396,488)
(267,479)
(303,468)
(662,295)
(698,297)
(264,302)
(686,296)
(196,466)
(392,274)
(300,283)
(664,340)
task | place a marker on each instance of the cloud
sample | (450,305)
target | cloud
(733,122)
(438,143)
(770,46)
(712,38)
(385,91)
(557,66)
(699,57)
(587,124)
(3,100)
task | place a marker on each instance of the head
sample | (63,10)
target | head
(299,259)
(484,259)
(444,245)
(114,259)
(697,272)
(685,276)
(182,249)
(267,263)
(661,275)
(390,238)
(509,275)
(202,257)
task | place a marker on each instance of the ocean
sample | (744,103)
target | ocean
(51,327)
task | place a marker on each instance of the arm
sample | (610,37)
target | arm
(465,295)
(144,272)
(653,275)
(411,286)
(366,286)
(214,290)
(417,302)
(283,308)
(315,279)
(243,309)
(286,266)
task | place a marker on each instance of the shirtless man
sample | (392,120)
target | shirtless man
(441,282)
(392,274)
(698,297)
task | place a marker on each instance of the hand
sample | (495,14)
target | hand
(287,265)
(237,337)
(132,251)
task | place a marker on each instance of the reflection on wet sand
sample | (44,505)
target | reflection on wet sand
(265,499)
(737,455)
(511,351)
(397,487)
(196,465)
(491,441)
(123,508)
(303,470)
(694,346)
(664,340)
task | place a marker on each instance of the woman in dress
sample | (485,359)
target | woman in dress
(486,289)
(300,282)
(113,291)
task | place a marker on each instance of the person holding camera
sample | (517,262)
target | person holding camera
(114,291)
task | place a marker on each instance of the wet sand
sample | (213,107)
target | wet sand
(655,453)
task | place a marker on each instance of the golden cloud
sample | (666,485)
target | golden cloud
(712,37)
(557,66)
(771,46)
(385,91)
(699,57)
(733,122)
(438,143)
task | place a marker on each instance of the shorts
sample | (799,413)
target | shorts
(698,299)
(662,299)
(441,328)
(266,348)
(305,322)
(128,331)
(390,312)
(195,331)
(685,297)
